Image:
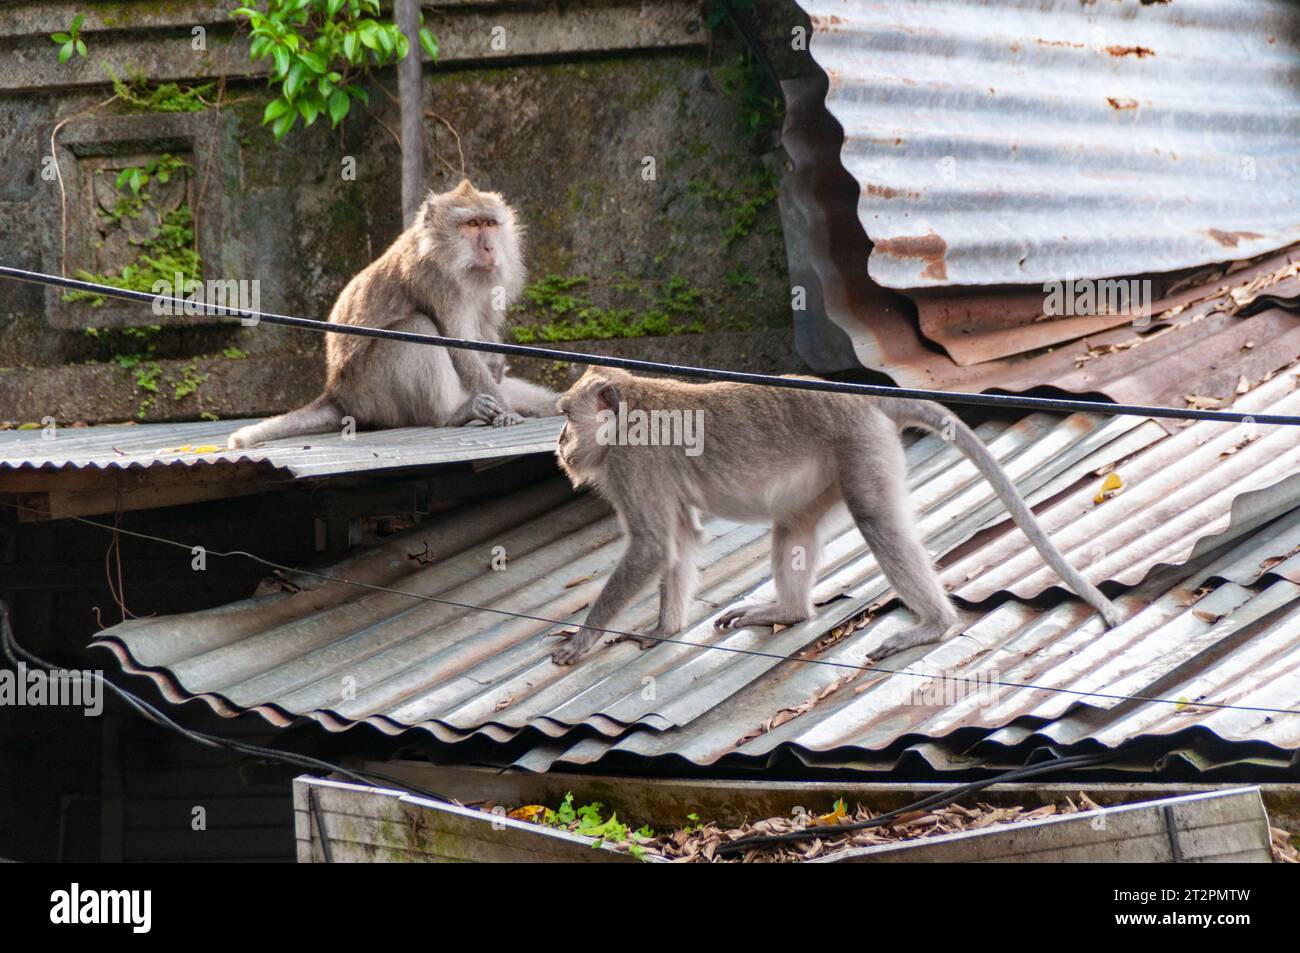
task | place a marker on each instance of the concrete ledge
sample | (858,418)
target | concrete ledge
(156,38)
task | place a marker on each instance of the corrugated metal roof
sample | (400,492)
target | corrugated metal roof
(146,446)
(1024,142)
(445,666)
(1205,333)
(1176,647)
(459,674)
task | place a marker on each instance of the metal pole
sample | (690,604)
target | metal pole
(410,91)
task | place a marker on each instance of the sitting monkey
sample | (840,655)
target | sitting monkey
(769,455)
(454,272)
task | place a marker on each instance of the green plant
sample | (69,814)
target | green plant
(70,41)
(588,821)
(135,177)
(761,107)
(169,251)
(317,49)
(135,95)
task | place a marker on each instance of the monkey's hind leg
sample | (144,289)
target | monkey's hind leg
(320,415)
(882,509)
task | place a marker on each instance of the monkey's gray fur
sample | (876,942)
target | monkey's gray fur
(779,456)
(455,271)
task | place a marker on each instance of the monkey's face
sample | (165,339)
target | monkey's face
(478,232)
(580,453)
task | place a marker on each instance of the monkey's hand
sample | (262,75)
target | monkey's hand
(574,648)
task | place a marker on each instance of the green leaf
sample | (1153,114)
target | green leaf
(284,124)
(350,47)
(65,51)
(429,43)
(293,82)
(281,61)
(76,22)
(334,7)
(314,62)
(275,109)
(310,108)
(60,37)
(356,92)
(81,48)
(338,106)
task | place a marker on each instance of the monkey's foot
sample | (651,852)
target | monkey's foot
(647,641)
(759,613)
(486,408)
(909,639)
(241,438)
(508,419)
(573,649)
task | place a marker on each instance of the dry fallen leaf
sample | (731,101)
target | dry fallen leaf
(529,812)
(1109,487)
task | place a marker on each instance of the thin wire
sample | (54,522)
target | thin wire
(13,652)
(181,306)
(833,663)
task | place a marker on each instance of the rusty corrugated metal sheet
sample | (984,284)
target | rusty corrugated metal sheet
(148,446)
(1023,142)
(1208,328)
(382,659)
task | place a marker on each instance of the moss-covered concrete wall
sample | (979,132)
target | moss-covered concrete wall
(687,263)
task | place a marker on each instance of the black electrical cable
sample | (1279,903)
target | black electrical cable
(14,652)
(938,799)
(180,305)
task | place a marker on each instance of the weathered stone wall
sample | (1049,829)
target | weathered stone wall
(692,261)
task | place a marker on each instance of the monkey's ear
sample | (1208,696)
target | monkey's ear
(607,396)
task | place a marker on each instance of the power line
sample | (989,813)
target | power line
(181,305)
(975,680)
(17,655)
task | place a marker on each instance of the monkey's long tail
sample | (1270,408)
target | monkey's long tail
(938,419)
(320,415)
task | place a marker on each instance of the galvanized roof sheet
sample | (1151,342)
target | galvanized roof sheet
(1027,141)
(1236,645)
(202,444)
(384,659)
(1206,332)
(417,662)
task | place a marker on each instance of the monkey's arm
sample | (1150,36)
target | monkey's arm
(643,562)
